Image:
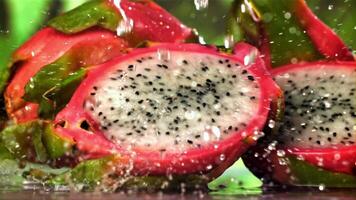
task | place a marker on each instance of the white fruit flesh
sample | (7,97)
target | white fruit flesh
(180,101)
(320,106)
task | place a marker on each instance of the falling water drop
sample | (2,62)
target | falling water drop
(126,25)
(163,54)
(201,4)
(229,41)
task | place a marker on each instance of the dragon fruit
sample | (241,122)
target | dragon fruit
(72,52)
(172,109)
(286,32)
(74,43)
(317,136)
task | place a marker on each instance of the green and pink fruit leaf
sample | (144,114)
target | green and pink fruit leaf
(109,173)
(52,87)
(148,20)
(35,141)
(68,52)
(286,32)
(93,13)
(310,175)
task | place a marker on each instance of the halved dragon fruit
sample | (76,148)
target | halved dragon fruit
(315,144)
(74,41)
(172,109)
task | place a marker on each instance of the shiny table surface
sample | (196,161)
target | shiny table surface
(299,194)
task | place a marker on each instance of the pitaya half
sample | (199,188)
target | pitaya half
(315,144)
(172,108)
(75,41)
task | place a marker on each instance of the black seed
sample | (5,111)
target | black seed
(221,62)
(127,100)
(234,76)
(147,69)
(137,93)
(92,94)
(227,93)
(100,113)
(185,62)
(190,142)
(251,78)
(112,108)
(139,61)
(140,101)
(168,133)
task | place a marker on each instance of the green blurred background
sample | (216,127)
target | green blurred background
(19,19)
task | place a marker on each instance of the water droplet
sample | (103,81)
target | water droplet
(287,15)
(281,153)
(191,114)
(206,136)
(321,187)
(229,41)
(201,4)
(163,54)
(251,10)
(216,131)
(124,27)
(209,167)
(251,57)
(222,157)
(330,7)
(271,123)
(327,104)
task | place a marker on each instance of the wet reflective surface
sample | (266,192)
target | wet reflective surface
(296,193)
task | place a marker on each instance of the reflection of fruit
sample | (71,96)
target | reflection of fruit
(176,109)
(318,131)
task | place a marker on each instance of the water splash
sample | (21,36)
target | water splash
(229,41)
(126,24)
(201,4)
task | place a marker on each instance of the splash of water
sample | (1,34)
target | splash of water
(126,24)
(201,4)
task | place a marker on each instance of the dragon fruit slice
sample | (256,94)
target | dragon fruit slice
(318,131)
(172,109)
(286,32)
